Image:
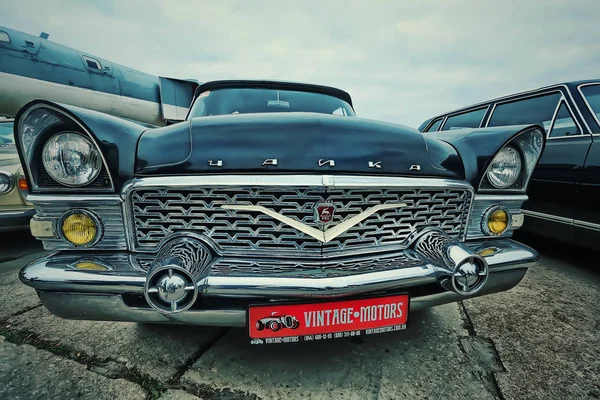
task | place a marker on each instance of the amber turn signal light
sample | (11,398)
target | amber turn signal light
(23,184)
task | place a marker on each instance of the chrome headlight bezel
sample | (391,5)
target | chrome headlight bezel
(92,158)
(7,182)
(34,125)
(529,143)
(506,155)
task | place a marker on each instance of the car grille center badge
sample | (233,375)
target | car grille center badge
(324,214)
(322,236)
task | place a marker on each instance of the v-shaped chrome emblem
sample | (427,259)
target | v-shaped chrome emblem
(322,236)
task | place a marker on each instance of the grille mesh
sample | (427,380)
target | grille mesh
(239,266)
(158,213)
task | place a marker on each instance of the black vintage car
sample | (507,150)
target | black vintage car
(270,195)
(564,194)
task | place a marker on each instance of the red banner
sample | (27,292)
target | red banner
(281,320)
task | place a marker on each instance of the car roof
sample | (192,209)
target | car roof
(273,84)
(570,85)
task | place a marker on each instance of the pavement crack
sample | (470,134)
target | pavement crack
(107,367)
(174,381)
(481,354)
(4,320)
(467,323)
(495,387)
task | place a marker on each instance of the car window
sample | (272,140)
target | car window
(564,125)
(592,95)
(434,127)
(470,119)
(533,110)
(259,100)
(6,133)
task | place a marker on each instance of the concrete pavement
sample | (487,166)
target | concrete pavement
(539,340)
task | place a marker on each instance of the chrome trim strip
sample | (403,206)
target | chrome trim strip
(568,221)
(554,114)
(6,213)
(85,131)
(586,225)
(549,217)
(587,103)
(500,197)
(332,181)
(84,198)
(572,114)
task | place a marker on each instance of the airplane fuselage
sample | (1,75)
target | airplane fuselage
(35,68)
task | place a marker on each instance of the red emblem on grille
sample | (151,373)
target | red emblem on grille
(324,213)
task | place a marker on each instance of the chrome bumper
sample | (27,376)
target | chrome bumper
(101,295)
(11,219)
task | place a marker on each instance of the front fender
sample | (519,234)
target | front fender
(477,147)
(115,137)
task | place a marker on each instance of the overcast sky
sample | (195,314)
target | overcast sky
(402,61)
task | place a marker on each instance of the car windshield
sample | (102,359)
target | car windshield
(6,133)
(592,95)
(251,100)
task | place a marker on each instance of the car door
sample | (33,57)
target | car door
(587,212)
(553,187)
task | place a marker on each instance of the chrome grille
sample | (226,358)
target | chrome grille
(160,212)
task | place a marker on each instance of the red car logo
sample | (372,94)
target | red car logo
(277,321)
(324,213)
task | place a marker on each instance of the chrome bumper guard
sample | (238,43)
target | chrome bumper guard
(455,270)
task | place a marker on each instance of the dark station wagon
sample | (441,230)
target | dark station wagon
(565,186)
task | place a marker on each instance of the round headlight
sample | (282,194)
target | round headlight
(5,183)
(80,228)
(71,159)
(505,168)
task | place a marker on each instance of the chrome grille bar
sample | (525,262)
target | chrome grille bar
(241,266)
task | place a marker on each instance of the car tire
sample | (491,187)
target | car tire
(260,325)
(274,326)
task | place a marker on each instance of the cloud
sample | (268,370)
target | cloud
(401,61)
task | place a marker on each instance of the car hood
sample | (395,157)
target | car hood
(300,142)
